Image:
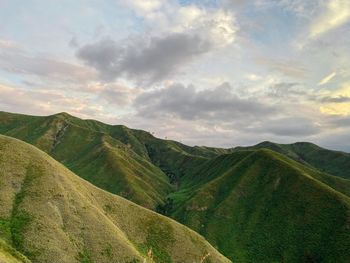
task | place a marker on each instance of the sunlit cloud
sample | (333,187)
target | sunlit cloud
(327,79)
(341,102)
(336,14)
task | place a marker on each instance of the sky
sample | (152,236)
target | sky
(215,72)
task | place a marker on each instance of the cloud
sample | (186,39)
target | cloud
(339,121)
(338,99)
(336,14)
(292,127)
(286,89)
(152,60)
(217,25)
(176,35)
(337,102)
(327,79)
(43,102)
(219,104)
(15,60)
(117,95)
(218,116)
(144,7)
(285,66)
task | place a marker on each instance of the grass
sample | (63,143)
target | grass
(333,162)
(267,208)
(71,219)
(131,163)
(19,217)
(10,255)
(84,256)
(286,204)
(89,149)
(158,241)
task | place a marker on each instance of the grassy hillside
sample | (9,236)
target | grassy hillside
(86,148)
(51,215)
(253,204)
(130,163)
(332,162)
(259,206)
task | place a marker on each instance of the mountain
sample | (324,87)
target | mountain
(259,206)
(266,203)
(332,162)
(127,162)
(51,215)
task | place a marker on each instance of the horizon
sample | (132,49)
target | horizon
(215,73)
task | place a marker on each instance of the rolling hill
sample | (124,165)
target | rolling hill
(127,162)
(51,215)
(259,206)
(265,203)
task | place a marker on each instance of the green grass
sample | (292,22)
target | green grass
(159,239)
(267,208)
(10,255)
(84,256)
(333,162)
(55,214)
(286,204)
(20,218)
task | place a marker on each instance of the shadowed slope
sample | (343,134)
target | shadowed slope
(258,206)
(51,215)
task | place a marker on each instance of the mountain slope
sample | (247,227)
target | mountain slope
(92,154)
(258,206)
(253,205)
(131,163)
(51,215)
(332,162)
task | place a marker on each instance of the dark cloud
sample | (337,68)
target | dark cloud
(219,104)
(286,89)
(117,95)
(340,141)
(222,113)
(339,121)
(291,127)
(339,99)
(147,61)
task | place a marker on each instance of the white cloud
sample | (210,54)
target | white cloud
(43,102)
(218,25)
(144,7)
(17,60)
(336,14)
(327,79)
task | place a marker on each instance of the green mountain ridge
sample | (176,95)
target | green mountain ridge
(146,166)
(265,203)
(51,215)
(267,208)
(332,162)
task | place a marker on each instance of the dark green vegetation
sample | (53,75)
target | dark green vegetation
(66,220)
(265,203)
(264,207)
(332,162)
